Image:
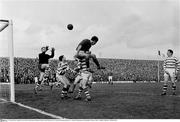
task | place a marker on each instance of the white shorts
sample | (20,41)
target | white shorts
(78,79)
(169,72)
(86,79)
(86,76)
(110,78)
(62,79)
(36,79)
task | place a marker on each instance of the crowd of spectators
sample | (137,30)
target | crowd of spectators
(121,70)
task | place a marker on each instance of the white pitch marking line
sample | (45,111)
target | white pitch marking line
(40,111)
(3,100)
(34,109)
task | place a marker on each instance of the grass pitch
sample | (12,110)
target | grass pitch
(118,101)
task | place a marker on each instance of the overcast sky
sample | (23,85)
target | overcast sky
(128,29)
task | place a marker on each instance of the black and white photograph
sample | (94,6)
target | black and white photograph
(90,60)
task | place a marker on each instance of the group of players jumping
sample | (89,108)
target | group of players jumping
(83,71)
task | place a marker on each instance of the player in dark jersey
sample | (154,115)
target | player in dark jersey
(83,51)
(43,65)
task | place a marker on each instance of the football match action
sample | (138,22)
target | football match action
(89,59)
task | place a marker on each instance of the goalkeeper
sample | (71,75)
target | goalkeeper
(43,64)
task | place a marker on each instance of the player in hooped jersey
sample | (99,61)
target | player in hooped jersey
(84,79)
(171,68)
(81,65)
(60,76)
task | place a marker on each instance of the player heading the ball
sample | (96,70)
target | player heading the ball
(83,51)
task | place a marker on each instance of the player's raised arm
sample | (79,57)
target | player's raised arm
(52,53)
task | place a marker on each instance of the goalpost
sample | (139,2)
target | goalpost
(9,88)
(8,24)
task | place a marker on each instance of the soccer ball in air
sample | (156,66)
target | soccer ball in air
(70,26)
